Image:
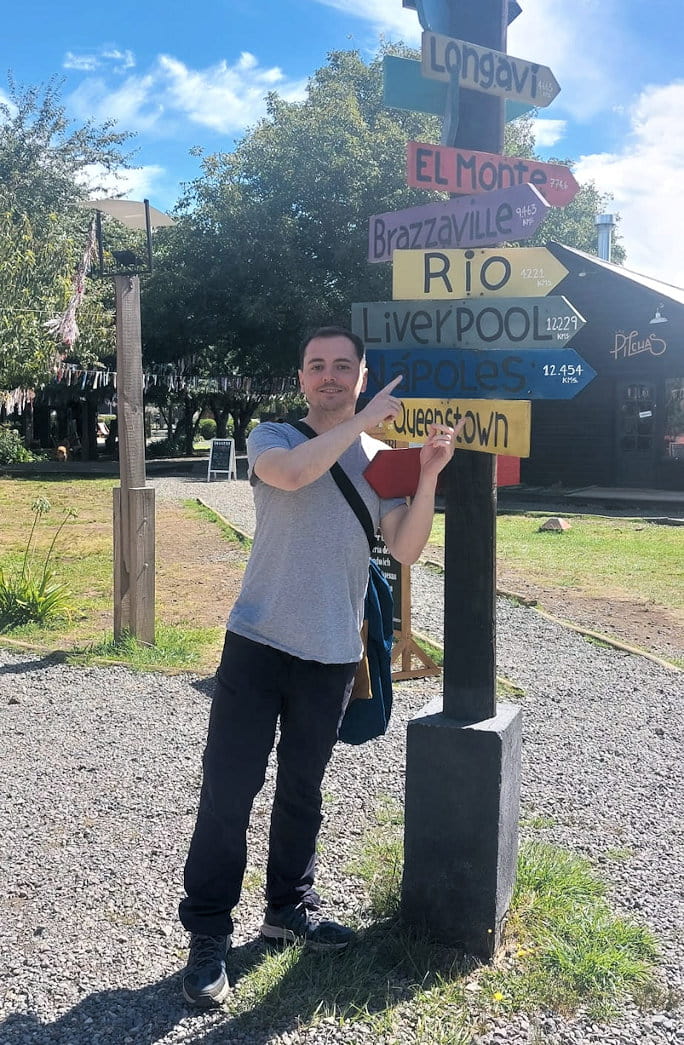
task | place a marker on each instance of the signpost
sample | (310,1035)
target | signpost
(444,169)
(511,214)
(506,272)
(484,69)
(463,751)
(479,374)
(467,323)
(492,426)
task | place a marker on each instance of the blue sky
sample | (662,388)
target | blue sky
(196,74)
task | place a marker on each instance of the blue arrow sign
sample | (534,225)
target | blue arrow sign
(443,373)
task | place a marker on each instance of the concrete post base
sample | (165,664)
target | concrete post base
(461,826)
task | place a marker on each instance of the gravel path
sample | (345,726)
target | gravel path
(102,770)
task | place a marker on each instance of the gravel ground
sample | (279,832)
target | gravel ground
(102,769)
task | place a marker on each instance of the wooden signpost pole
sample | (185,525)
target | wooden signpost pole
(463,757)
(133,501)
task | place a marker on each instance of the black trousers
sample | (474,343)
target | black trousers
(256,685)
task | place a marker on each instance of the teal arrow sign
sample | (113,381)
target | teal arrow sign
(405,87)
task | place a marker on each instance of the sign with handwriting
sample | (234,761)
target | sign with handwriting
(504,272)
(467,323)
(491,426)
(445,169)
(510,214)
(488,71)
(479,374)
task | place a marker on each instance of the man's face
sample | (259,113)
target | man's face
(332,375)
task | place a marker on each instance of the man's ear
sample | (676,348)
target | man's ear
(365,379)
(300,375)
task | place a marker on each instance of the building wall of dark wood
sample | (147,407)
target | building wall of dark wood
(639,364)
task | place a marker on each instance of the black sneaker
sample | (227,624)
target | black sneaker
(298,922)
(205,981)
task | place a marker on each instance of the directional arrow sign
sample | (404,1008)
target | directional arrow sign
(509,214)
(514,272)
(491,72)
(482,323)
(405,87)
(479,374)
(492,426)
(457,170)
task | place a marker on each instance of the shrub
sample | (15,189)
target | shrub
(34,595)
(12,449)
(207,427)
(165,448)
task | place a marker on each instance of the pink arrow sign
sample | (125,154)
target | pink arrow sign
(468,221)
(457,170)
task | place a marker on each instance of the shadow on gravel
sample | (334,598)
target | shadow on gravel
(205,686)
(369,977)
(141,1017)
(27,666)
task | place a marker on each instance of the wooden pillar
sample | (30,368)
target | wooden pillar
(133,503)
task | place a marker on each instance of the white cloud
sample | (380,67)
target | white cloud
(645,180)
(106,57)
(136,184)
(548,132)
(225,98)
(386,16)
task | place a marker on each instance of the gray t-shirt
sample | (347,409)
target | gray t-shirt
(306,579)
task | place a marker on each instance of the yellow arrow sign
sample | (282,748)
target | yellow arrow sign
(492,426)
(506,272)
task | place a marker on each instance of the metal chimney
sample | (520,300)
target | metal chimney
(605,223)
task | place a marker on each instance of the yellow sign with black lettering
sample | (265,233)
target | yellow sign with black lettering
(492,426)
(530,272)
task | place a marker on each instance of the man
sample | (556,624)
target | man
(291,651)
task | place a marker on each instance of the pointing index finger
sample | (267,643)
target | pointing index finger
(393,383)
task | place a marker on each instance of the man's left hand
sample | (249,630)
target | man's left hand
(438,449)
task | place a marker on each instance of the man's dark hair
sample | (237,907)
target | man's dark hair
(332,332)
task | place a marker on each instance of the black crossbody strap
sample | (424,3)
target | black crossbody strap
(346,487)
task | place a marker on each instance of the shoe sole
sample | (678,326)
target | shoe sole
(279,934)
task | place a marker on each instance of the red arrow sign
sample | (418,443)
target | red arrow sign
(394,473)
(456,170)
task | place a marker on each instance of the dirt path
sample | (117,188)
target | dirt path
(199,575)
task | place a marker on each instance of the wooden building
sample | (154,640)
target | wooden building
(626,428)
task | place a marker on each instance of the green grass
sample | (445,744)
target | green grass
(598,556)
(436,653)
(176,649)
(565,951)
(202,511)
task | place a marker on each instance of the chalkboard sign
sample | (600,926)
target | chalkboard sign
(392,571)
(222,458)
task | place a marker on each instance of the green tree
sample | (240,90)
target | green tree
(44,164)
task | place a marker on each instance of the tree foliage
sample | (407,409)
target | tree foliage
(44,163)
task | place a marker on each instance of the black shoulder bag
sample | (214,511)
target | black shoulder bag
(367,718)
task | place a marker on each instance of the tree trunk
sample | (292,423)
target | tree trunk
(221,414)
(186,427)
